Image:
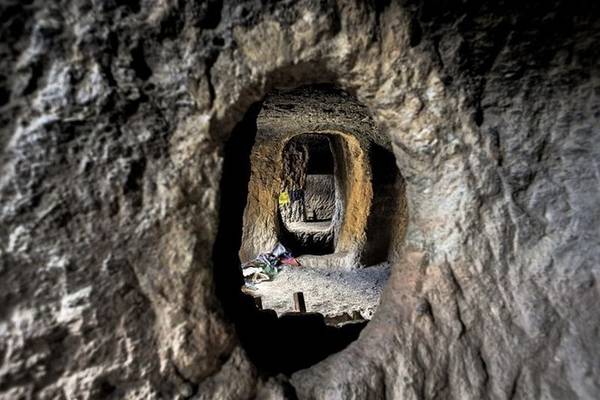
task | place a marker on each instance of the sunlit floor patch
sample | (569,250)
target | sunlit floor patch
(331,292)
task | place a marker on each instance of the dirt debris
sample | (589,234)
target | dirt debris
(329,291)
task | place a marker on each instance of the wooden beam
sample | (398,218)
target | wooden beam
(299,304)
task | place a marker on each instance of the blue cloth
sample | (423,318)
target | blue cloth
(297,195)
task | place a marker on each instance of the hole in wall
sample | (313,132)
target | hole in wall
(322,142)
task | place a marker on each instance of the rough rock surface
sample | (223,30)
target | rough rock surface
(113,120)
(320,195)
(293,177)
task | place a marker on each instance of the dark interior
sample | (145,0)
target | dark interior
(387,189)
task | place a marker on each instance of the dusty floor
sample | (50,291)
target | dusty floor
(309,227)
(330,291)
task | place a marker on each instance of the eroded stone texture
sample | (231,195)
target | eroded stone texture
(113,119)
(293,178)
(320,196)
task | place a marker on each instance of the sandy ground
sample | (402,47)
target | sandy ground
(309,227)
(328,291)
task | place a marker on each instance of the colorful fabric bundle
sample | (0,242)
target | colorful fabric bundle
(266,266)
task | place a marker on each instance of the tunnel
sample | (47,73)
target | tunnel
(307,169)
(299,200)
(311,198)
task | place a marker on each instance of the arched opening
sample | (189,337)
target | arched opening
(308,196)
(305,156)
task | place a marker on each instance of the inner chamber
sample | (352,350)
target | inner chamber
(307,177)
(307,204)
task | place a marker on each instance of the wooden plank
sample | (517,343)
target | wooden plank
(299,304)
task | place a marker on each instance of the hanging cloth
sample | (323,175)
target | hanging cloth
(284,198)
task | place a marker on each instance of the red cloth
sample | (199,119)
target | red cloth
(290,261)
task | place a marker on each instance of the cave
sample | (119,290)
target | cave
(430,168)
(307,168)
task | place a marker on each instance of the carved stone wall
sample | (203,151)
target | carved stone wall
(113,122)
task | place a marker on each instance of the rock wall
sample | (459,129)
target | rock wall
(386,225)
(293,177)
(113,121)
(320,195)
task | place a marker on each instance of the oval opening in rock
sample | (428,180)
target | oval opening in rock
(312,212)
